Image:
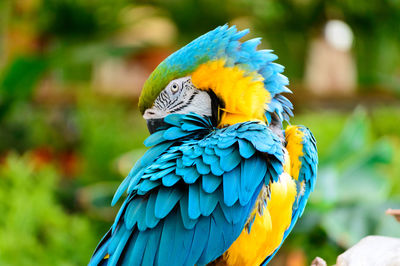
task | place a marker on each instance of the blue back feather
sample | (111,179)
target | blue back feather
(214,187)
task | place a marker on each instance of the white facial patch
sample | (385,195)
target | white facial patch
(180,96)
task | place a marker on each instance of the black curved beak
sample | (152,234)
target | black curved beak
(155,124)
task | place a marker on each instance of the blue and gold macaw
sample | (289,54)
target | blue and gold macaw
(223,183)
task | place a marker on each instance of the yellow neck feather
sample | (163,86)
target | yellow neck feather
(243,94)
(294,138)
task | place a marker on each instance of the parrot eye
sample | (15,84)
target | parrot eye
(174,88)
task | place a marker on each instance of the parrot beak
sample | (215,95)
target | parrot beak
(155,124)
(154,119)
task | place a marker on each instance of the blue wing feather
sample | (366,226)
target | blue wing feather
(149,255)
(191,200)
(231,183)
(166,201)
(151,220)
(211,183)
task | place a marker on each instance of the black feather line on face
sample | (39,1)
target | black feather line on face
(162,100)
(173,102)
(216,104)
(187,103)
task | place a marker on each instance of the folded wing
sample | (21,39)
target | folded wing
(190,198)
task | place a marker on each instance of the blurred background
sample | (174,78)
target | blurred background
(70,75)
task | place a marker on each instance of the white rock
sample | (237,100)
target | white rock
(372,250)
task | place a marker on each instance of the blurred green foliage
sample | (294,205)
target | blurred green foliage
(34,227)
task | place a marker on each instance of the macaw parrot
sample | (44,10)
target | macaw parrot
(223,183)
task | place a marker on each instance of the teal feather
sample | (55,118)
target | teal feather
(184,207)
(135,210)
(170,180)
(121,211)
(208,202)
(134,256)
(202,168)
(116,238)
(231,183)
(193,202)
(246,150)
(163,172)
(224,151)
(252,174)
(210,159)
(146,186)
(183,240)
(187,161)
(154,139)
(120,247)
(216,169)
(174,133)
(199,241)
(101,250)
(166,201)
(167,241)
(174,120)
(200,206)
(229,162)
(153,241)
(151,219)
(211,182)
(189,174)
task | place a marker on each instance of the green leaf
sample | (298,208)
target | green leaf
(21,76)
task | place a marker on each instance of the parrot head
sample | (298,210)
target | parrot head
(220,77)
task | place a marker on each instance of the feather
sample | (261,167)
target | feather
(216,169)
(182,243)
(211,182)
(121,212)
(167,240)
(230,161)
(246,150)
(115,238)
(174,119)
(215,247)
(202,168)
(145,186)
(208,202)
(136,249)
(134,211)
(170,180)
(151,248)
(209,158)
(155,138)
(199,241)
(174,133)
(101,250)
(184,207)
(151,220)
(231,183)
(193,202)
(189,174)
(162,173)
(121,245)
(166,201)
(252,174)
